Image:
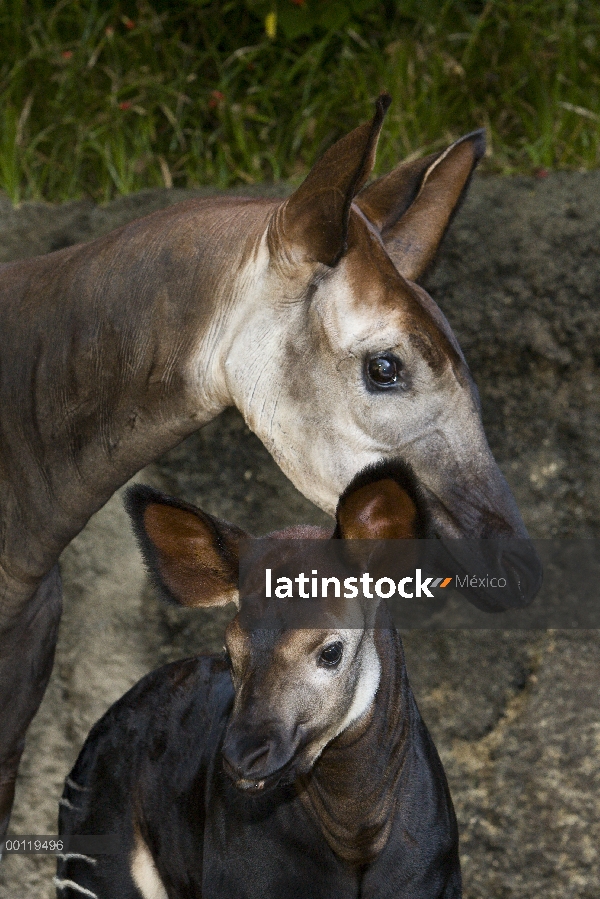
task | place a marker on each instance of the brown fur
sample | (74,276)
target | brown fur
(114,351)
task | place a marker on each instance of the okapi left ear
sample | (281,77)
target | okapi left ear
(316,216)
(413,205)
(191,556)
(383,502)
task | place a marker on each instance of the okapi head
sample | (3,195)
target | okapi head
(296,689)
(345,360)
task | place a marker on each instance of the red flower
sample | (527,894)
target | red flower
(67,54)
(298,2)
(541,173)
(216,98)
(126,104)
(128,24)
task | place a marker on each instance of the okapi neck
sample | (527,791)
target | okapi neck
(109,354)
(352,790)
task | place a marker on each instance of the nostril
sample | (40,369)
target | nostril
(257,759)
(250,762)
(524,572)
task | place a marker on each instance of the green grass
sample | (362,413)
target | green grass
(101,98)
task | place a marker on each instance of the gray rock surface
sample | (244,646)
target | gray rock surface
(516,716)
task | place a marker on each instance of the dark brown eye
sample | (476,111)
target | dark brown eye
(384,370)
(331,655)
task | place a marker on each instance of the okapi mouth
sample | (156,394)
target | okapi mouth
(485,546)
(513,559)
(255,786)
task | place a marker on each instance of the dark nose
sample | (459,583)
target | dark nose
(514,560)
(524,571)
(250,758)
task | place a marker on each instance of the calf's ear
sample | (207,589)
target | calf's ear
(315,217)
(413,205)
(191,556)
(383,502)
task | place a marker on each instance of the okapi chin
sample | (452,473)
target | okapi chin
(296,764)
(303,313)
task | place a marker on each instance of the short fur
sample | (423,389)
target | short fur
(196,772)
(403,475)
(225,536)
(116,350)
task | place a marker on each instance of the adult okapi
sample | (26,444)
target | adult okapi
(304,314)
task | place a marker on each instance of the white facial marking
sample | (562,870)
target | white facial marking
(367,686)
(144,873)
(364,694)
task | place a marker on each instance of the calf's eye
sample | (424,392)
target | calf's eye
(331,655)
(384,370)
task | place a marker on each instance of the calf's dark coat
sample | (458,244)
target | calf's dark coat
(228,779)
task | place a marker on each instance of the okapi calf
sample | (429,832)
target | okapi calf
(295,765)
(303,313)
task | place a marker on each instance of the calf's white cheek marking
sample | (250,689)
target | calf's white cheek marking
(361,702)
(367,687)
(144,873)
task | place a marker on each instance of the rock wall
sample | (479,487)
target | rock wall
(515,716)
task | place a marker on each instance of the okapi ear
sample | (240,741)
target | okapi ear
(413,205)
(191,556)
(316,216)
(383,502)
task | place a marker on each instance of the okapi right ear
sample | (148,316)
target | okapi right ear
(413,205)
(383,502)
(191,556)
(316,216)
